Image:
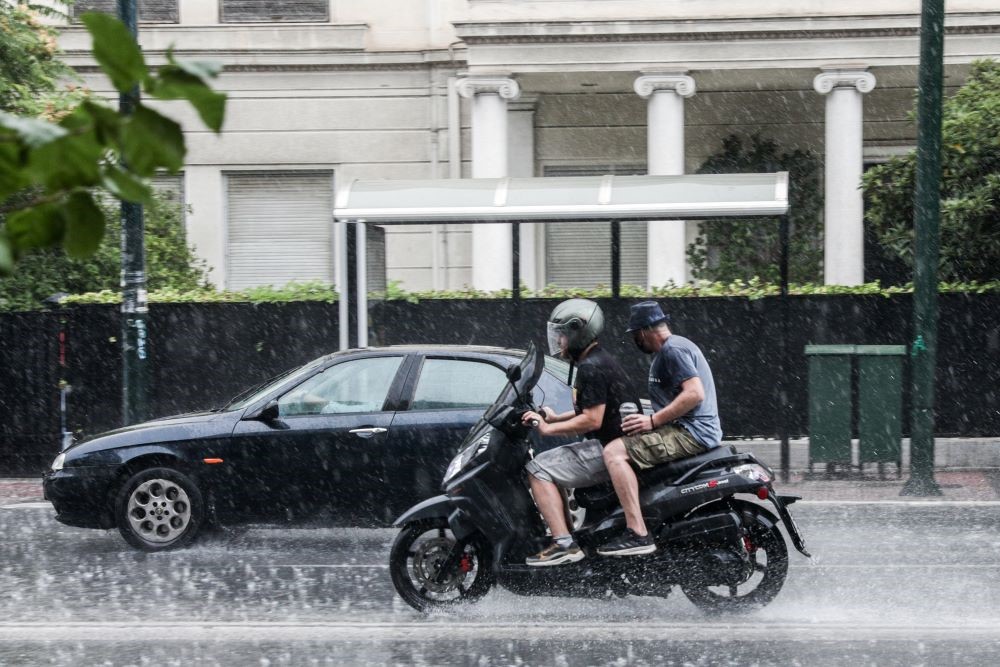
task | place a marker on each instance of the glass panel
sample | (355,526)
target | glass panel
(423,194)
(562,191)
(453,383)
(360,385)
(693,188)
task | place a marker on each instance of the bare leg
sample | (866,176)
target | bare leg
(626,484)
(550,504)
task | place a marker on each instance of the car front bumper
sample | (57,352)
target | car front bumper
(82,496)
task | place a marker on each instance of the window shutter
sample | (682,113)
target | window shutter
(275,11)
(150,11)
(578,254)
(279,228)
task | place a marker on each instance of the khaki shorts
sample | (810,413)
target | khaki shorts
(667,443)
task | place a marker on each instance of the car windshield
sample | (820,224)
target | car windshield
(256,392)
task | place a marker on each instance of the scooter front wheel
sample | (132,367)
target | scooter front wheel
(416,558)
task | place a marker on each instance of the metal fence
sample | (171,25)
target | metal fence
(203,354)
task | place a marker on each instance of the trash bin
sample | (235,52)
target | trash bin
(829,403)
(880,402)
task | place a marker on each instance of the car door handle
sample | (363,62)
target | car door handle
(367,432)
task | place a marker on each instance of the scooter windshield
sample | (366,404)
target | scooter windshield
(531,369)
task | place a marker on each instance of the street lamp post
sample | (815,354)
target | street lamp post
(927,216)
(135,338)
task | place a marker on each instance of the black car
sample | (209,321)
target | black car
(360,434)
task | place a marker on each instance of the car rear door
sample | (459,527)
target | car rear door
(445,396)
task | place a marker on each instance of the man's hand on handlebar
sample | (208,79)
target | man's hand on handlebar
(533,419)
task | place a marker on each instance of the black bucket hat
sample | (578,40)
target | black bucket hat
(645,314)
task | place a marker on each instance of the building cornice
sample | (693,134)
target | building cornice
(903,25)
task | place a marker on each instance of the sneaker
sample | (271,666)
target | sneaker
(629,544)
(556,555)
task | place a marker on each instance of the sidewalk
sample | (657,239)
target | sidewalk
(956,485)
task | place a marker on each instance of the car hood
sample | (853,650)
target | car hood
(166,429)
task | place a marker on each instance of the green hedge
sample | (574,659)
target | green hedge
(314,291)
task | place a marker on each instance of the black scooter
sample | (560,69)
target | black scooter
(726,553)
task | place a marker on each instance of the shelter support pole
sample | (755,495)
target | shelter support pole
(515,260)
(783,392)
(927,216)
(340,243)
(616,258)
(361,281)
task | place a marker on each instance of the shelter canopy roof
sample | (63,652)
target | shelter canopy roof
(563,198)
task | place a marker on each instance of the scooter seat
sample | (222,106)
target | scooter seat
(603,495)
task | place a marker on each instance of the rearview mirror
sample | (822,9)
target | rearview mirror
(513,374)
(268,413)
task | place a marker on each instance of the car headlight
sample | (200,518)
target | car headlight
(58,463)
(463,457)
(753,471)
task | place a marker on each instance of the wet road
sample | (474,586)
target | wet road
(890,584)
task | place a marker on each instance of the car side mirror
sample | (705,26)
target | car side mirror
(268,413)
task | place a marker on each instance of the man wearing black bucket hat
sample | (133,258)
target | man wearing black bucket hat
(685,420)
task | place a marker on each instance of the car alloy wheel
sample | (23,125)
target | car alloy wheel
(158,509)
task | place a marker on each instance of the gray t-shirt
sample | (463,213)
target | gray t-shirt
(678,360)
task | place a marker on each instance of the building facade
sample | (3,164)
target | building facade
(322,92)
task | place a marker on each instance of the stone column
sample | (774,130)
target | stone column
(521,164)
(843,226)
(491,244)
(666,254)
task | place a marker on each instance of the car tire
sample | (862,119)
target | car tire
(159,509)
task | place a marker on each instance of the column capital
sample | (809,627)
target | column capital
(862,80)
(674,82)
(505,87)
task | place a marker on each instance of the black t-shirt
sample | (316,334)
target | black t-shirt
(600,379)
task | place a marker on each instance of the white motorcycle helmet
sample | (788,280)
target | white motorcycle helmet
(578,322)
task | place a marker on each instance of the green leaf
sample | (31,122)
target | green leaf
(37,227)
(68,162)
(6,255)
(116,51)
(151,141)
(12,176)
(106,121)
(125,186)
(84,225)
(31,131)
(176,83)
(203,69)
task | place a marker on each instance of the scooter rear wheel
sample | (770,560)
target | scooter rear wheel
(416,558)
(768,558)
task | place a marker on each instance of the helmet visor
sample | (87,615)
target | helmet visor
(557,339)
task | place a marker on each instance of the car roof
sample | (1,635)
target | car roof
(436,348)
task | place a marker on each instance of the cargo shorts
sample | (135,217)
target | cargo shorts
(666,443)
(573,466)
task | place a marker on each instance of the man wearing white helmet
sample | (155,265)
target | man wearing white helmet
(601,386)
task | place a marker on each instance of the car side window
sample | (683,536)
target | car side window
(359,385)
(456,383)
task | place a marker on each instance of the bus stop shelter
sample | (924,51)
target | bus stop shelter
(566,200)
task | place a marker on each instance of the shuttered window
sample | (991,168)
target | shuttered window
(279,228)
(150,11)
(275,11)
(578,254)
